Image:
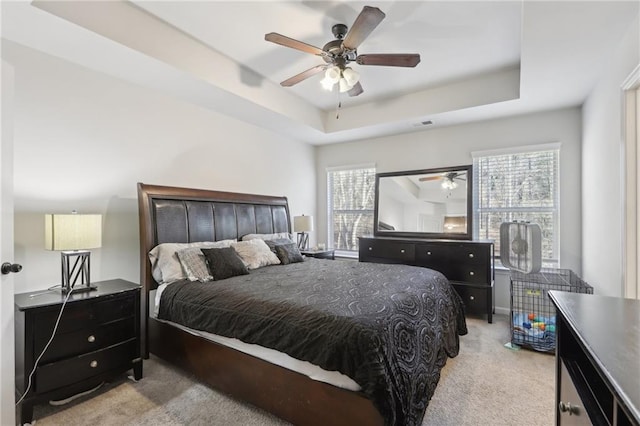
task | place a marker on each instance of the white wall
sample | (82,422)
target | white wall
(83,140)
(452,146)
(602,169)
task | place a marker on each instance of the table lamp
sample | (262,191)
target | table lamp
(303,225)
(73,234)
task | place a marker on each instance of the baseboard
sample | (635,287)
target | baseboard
(502,311)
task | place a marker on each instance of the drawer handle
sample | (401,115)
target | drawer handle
(91,339)
(472,298)
(566,407)
(93,363)
(428,253)
(370,248)
(402,251)
(471,255)
(471,273)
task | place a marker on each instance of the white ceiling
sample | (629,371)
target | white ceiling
(480,59)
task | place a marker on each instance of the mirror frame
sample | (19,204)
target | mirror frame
(431,235)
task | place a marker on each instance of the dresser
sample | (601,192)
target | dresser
(468,265)
(597,359)
(98,337)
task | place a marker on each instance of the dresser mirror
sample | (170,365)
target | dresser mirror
(431,203)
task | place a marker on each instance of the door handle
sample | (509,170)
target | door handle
(7,268)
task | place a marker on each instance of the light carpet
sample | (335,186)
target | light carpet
(486,384)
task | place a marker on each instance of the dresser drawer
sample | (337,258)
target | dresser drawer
(80,316)
(434,255)
(462,263)
(73,370)
(387,251)
(469,273)
(475,299)
(464,253)
(86,340)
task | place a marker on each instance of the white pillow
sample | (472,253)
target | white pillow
(267,237)
(165,264)
(255,253)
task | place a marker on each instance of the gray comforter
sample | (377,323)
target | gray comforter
(388,327)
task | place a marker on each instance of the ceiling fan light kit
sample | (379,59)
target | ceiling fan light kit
(449,183)
(340,52)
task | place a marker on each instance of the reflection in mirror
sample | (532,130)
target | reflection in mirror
(432,203)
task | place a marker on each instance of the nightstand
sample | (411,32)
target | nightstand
(320,254)
(98,337)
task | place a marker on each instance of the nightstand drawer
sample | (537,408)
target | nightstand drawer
(80,316)
(474,298)
(86,340)
(72,370)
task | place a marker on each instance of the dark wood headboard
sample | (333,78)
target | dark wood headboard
(170,214)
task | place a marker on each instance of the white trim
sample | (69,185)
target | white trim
(630,167)
(633,80)
(517,150)
(350,167)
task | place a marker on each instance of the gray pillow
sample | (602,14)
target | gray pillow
(224,263)
(288,253)
(277,242)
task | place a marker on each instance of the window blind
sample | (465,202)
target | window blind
(351,193)
(520,186)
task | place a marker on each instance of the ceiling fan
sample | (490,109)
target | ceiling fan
(338,53)
(448,179)
(450,176)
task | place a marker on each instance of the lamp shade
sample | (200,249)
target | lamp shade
(72,231)
(303,223)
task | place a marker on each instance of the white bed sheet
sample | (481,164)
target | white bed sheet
(310,370)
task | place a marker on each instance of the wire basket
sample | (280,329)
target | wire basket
(533,316)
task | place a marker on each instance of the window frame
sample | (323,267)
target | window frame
(330,210)
(554,210)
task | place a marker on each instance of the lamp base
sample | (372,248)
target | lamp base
(79,269)
(303,241)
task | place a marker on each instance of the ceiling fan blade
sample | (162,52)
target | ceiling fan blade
(294,44)
(303,75)
(390,59)
(366,22)
(430,178)
(355,90)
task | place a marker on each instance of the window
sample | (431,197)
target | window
(518,185)
(350,193)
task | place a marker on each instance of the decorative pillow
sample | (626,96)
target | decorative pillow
(165,264)
(255,253)
(267,237)
(193,261)
(277,242)
(224,263)
(288,253)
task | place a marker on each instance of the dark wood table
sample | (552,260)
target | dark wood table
(597,359)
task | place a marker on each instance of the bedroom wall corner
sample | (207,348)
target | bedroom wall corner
(602,155)
(84,139)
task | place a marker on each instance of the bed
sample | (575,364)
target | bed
(380,365)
